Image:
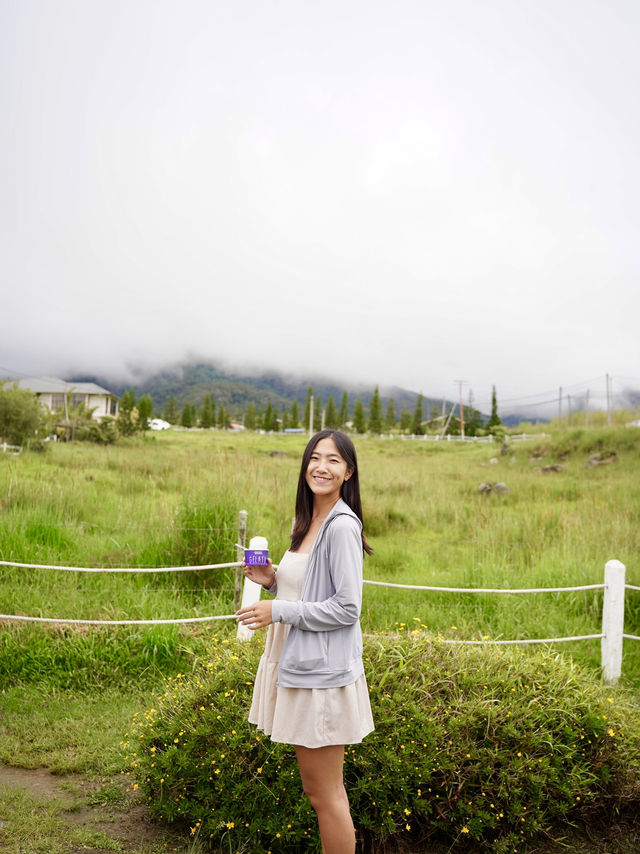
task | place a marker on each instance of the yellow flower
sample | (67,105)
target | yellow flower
(465,830)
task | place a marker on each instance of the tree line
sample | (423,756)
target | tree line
(379,418)
(24,420)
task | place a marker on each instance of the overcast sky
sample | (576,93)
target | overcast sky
(402,192)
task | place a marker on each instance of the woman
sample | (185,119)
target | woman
(310,688)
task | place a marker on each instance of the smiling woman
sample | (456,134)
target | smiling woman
(310,689)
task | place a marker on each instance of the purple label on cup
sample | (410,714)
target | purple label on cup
(256,557)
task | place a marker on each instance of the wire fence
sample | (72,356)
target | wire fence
(109,569)
(611,635)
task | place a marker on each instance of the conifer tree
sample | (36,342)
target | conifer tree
(390,417)
(343,416)
(359,420)
(127,415)
(145,408)
(250,420)
(405,420)
(170,413)
(207,413)
(375,413)
(494,421)
(267,422)
(331,415)
(317,414)
(416,423)
(294,419)
(224,417)
(188,415)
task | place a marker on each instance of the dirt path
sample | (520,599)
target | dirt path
(92,805)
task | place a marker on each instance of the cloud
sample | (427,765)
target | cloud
(405,196)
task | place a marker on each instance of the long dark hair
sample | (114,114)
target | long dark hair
(349,492)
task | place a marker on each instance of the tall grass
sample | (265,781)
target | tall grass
(174,498)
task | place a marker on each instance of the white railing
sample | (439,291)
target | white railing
(11,449)
(612,633)
(437,437)
(611,636)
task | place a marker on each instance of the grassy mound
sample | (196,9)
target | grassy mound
(478,747)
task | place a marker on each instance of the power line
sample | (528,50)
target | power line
(13,373)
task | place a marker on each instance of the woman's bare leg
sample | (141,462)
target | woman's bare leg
(321,770)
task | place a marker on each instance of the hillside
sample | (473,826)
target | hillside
(189,383)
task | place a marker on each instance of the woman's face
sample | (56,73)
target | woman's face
(327,470)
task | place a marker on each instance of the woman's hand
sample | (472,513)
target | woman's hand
(256,616)
(263,575)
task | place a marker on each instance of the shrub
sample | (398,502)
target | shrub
(101,432)
(20,414)
(481,748)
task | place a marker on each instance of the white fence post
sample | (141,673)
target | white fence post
(612,621)
(250,594)
(240,543)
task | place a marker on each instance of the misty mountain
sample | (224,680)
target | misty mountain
(189,383)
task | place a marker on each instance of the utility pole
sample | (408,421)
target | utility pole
(586,410)
(560,407)
(460,384)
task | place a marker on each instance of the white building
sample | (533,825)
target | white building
(53,391)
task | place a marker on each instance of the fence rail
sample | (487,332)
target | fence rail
(481,440)
(611,636)
(108,569)
(11,449)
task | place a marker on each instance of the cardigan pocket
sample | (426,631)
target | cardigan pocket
(310,651)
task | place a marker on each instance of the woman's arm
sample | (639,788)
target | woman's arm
(344,547)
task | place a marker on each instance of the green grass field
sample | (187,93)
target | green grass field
(174,498)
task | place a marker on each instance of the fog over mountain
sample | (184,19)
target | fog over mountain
(409,194)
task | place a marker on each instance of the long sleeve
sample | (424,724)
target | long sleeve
(274,585)
(342,608)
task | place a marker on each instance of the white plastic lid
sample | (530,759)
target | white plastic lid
(258,543)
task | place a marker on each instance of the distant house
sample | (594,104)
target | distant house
(53,392)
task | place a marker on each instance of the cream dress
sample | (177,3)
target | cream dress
(310,717)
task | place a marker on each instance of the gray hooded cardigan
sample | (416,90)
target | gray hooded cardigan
(324,645)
